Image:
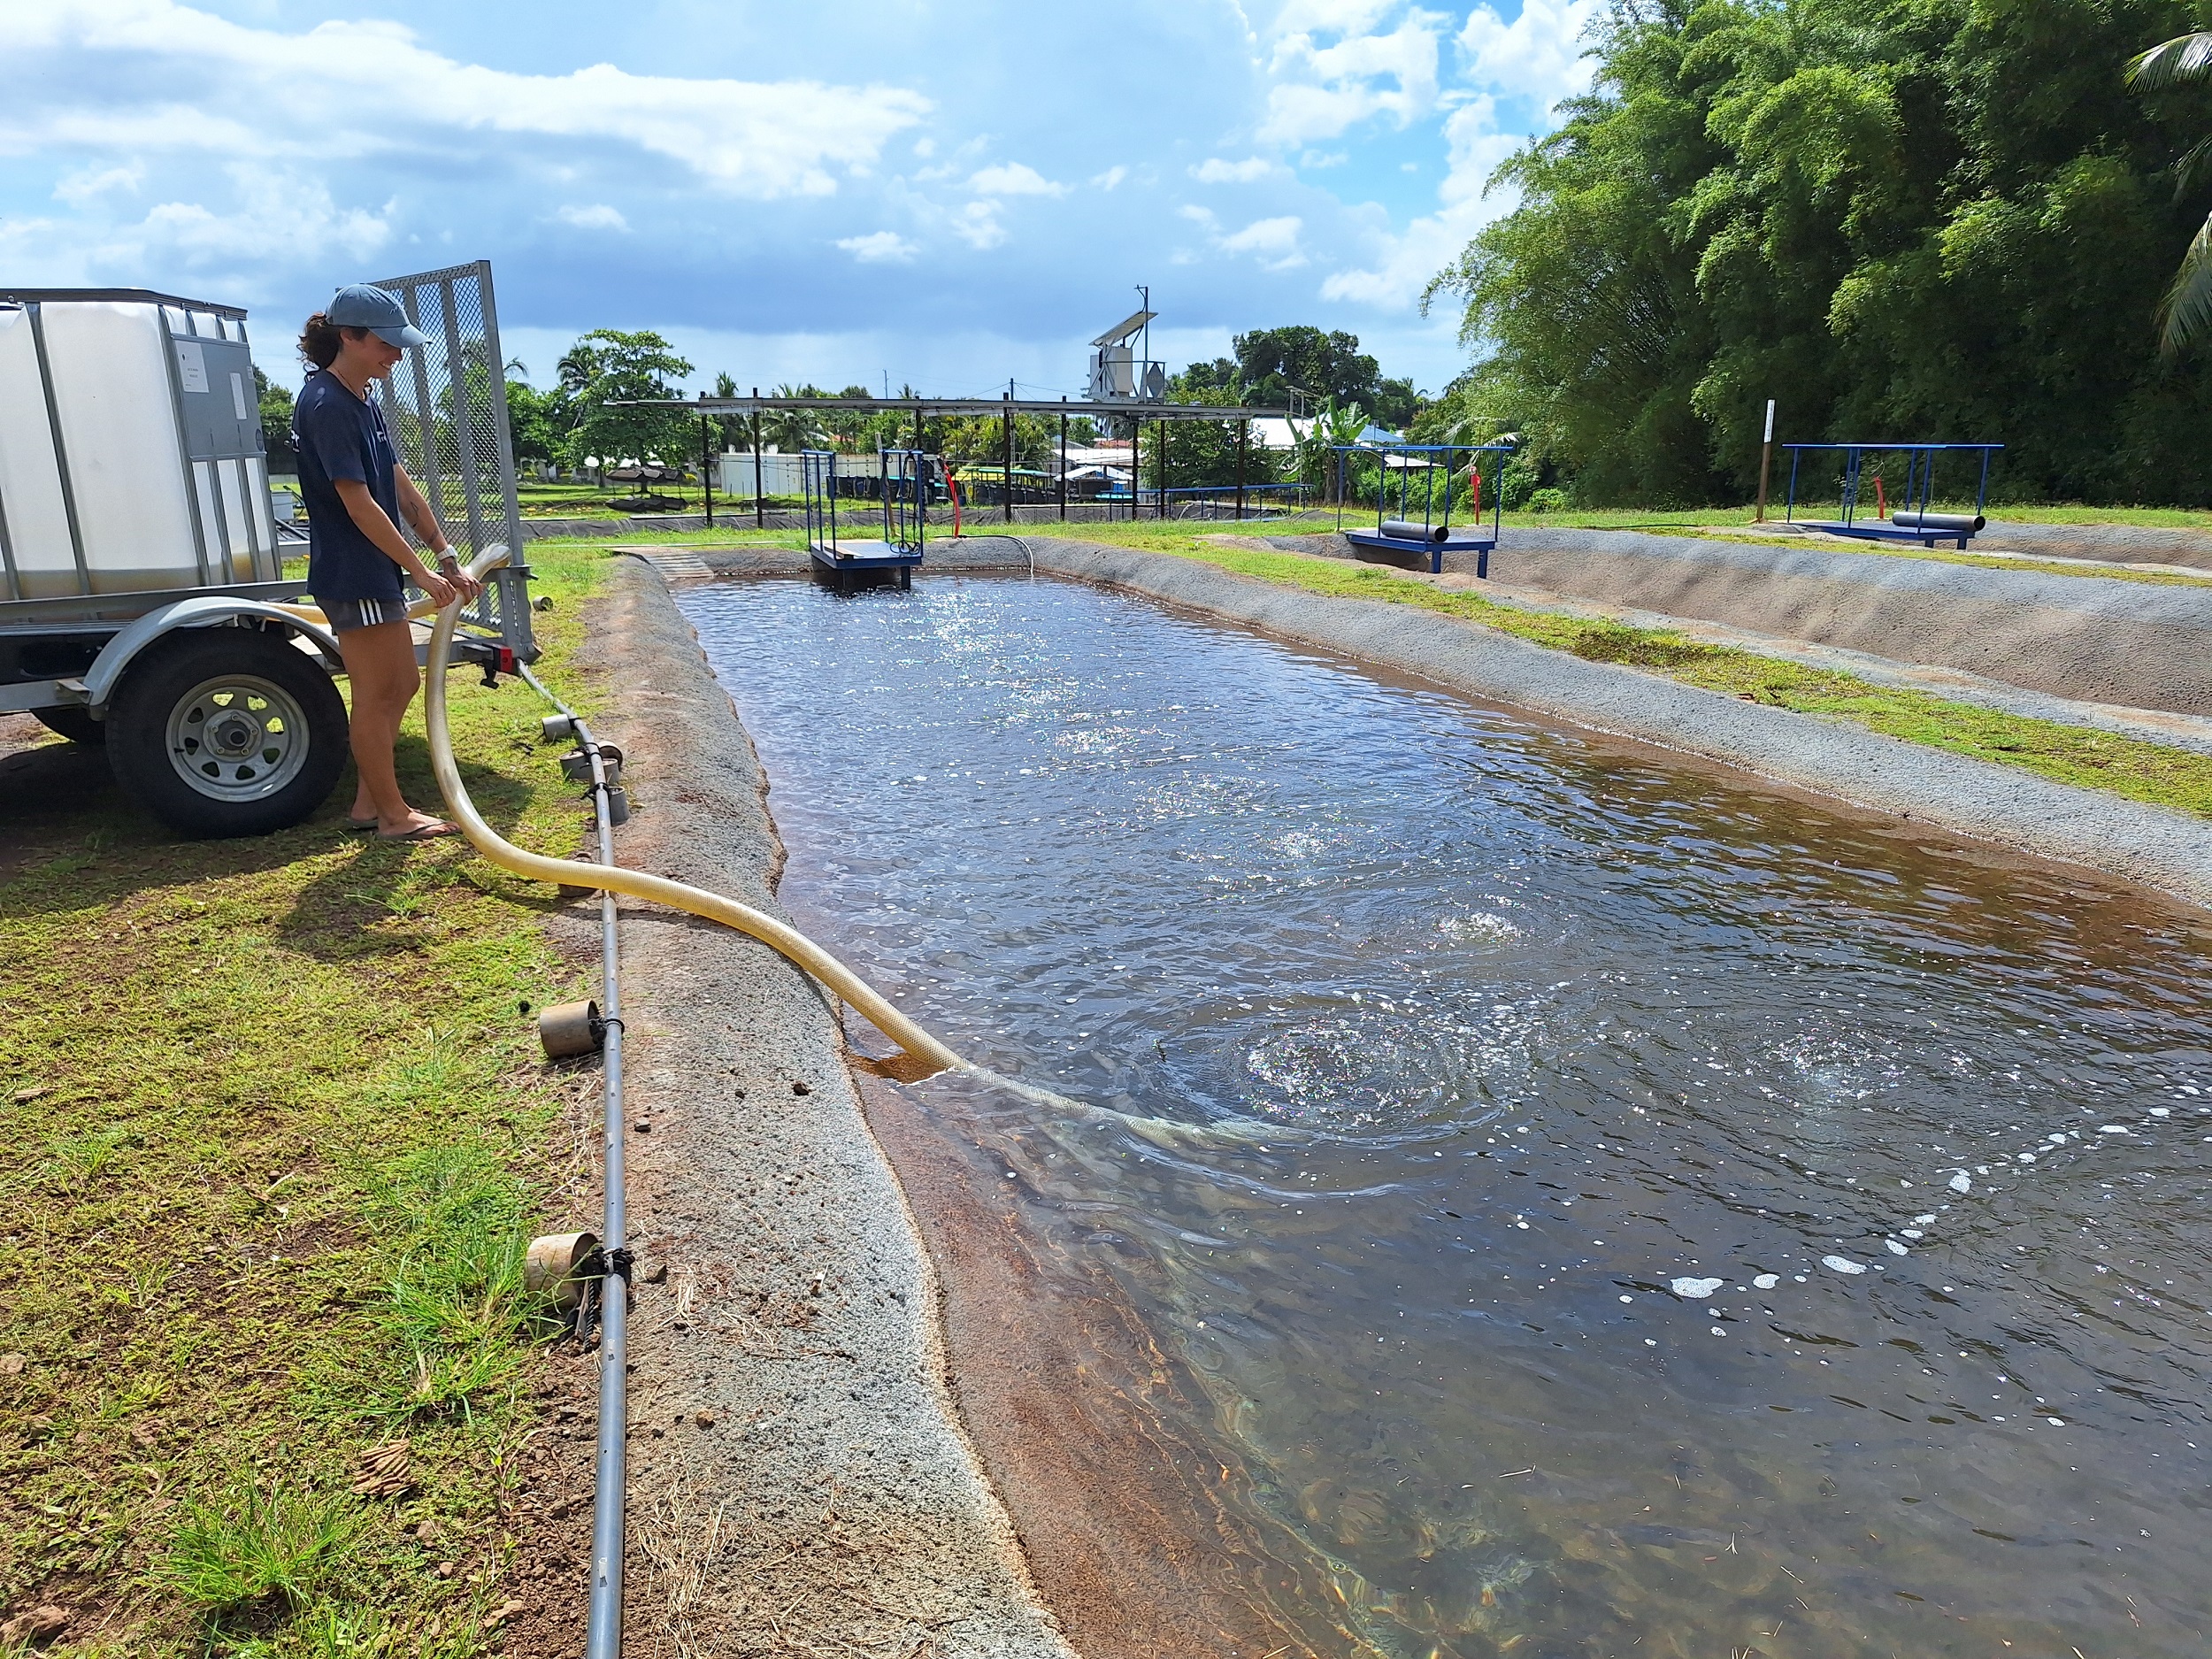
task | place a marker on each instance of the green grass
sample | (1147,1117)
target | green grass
(273,1133)
(2140,770)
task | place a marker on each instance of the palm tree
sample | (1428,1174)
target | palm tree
(2187,307)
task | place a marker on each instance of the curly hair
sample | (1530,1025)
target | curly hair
(321,340)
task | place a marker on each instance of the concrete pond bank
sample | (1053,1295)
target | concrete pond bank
(2146,645)
(799,1482)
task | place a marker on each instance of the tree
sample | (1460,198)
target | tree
(1930,218)
(1202,454)
(2187,308)
(1273,363)
(537,421)
(276,424)
(609,367)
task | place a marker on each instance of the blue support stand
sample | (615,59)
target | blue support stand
(1433,534)
(1912,519)
(897,553)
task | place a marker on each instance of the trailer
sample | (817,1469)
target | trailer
(145,600)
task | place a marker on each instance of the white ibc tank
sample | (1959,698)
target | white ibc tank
(130,448)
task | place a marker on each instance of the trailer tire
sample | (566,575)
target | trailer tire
(226,731)
(76,725)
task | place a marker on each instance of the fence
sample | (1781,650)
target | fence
(446,404)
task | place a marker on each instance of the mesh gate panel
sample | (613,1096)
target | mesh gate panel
(446,404)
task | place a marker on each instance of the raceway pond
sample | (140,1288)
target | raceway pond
(1626,1211)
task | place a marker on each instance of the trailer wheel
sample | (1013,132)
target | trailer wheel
(76,725)
(221,732)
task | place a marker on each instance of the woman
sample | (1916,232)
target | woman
(356,492)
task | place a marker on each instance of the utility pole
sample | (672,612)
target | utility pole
(1766,455)
(1006,475)
(1063,464)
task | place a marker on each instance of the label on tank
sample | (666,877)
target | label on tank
(192,365)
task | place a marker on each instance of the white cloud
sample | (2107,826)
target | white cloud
(1199,215)
(271,207)
(1336,17)
(349,89)
(89,183)
(882,246)
(1213,170)
(1538,54)
(977,224)
(598,216)
(1400,266)
(1274,241)
(1013,179)
(1109,179)
(1328,89)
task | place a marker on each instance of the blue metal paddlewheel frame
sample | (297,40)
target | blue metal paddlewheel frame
(1920,459)
(905,481)
(1480,540)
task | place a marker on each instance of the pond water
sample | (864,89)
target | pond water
(1623,1210)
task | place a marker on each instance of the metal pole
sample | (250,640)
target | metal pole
(760,488)
(1136,447)
(1244,436)
(1006,467)
(1160,502)
(1063,466)
(706,469)
(1766,455)
(61,450)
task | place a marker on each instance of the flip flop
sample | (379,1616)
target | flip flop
(360,825)
(427,832)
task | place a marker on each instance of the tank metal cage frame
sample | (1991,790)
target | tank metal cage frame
(1430,532)
(1926,527)
(903,509)
(446,407)
(203,323)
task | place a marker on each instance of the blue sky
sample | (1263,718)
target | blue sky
(946,195)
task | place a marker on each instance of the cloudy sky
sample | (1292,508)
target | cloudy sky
(946,195)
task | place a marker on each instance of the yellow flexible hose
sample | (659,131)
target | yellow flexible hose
(926,1054)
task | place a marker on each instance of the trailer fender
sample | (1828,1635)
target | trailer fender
(206,611)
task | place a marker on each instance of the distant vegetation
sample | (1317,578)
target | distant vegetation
(1903,218)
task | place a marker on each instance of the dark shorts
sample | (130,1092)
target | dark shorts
(346,614)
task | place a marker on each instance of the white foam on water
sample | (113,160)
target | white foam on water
(1843,1264)
(1695,1289)
(1767,1281)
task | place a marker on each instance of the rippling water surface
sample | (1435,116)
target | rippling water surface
(1621,1211)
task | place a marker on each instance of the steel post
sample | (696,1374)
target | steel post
(1244,437)
(1064,467)
(1006,467)
(706,468)
(760,489)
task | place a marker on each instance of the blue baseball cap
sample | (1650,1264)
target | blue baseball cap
(362,306)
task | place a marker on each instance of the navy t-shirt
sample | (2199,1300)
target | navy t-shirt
(341,436)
